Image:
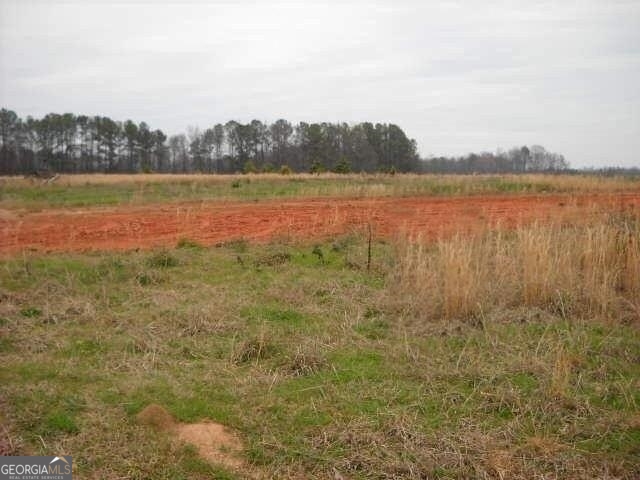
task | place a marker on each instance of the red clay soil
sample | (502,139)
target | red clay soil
(209,223)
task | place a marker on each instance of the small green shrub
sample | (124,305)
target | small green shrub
(317,251)
(187,243)
(317,167)
(343,166)
(249,167)
(162,259)
(31,312)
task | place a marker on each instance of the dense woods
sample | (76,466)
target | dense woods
(69,143)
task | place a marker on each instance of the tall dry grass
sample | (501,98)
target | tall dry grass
(591,269)
(375,183)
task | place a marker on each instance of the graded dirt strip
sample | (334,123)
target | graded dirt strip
(210,223)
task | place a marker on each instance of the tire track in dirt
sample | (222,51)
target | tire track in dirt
(209,223)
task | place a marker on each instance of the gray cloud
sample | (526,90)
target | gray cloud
(457,76)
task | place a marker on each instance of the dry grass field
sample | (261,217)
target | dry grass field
(506,352)
(114,189)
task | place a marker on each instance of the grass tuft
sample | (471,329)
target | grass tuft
(273,260)
(253,350)
(162,259)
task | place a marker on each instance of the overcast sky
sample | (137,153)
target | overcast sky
(458,76)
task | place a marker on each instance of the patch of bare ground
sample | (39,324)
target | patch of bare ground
(215,443)
(212,223)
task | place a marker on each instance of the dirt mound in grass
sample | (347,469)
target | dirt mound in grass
(215,442)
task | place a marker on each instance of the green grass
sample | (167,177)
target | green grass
(311,362)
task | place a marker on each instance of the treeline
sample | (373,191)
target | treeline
(524,159)
(67,143)
(614,171)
